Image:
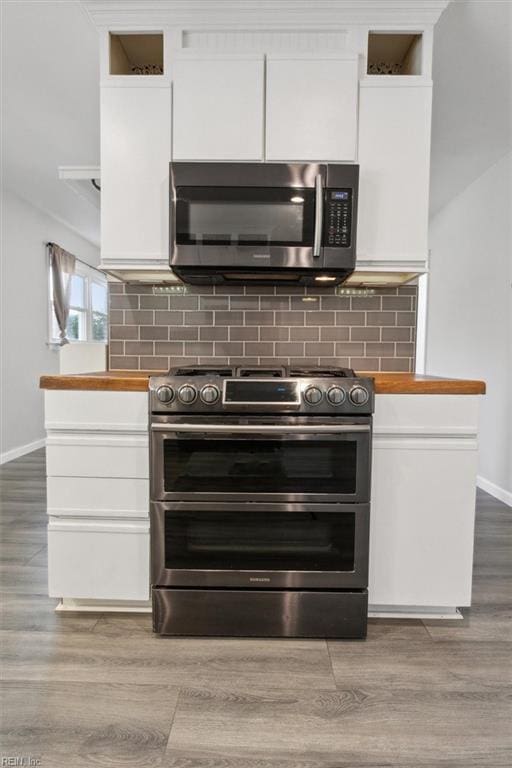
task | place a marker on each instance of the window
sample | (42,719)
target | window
(99,330)
(88,312)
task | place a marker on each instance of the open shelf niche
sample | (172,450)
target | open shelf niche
(394,53)
(136,54)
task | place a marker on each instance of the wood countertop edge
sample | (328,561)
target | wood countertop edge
(95,382)
(385,383)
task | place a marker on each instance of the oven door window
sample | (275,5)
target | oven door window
(256,541)
(244,216)
(293,466)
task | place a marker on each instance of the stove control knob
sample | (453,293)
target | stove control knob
(210,394)
(336,395)
(313,395)
(165,394)
(187,394)
(359,395)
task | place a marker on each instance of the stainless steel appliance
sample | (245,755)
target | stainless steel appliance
(285,223)
(260,501)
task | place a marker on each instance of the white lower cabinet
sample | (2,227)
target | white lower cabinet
(422,513)
(98,495)
(423,501)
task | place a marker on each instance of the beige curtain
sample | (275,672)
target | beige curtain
(62,265)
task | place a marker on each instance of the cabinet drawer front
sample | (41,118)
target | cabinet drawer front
(97,457)
(98,497)
(90,562)
(426,415)
(105,411)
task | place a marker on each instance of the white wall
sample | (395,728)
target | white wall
(24,312)
(472,96)
(51,104)
(469,323)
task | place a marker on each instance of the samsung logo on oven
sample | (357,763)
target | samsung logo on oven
(259,578)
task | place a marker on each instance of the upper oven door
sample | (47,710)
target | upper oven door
(246,217)
(257,460)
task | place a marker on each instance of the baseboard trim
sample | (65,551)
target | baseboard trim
(74,605)
(22,450)
(499,493)
(413,612)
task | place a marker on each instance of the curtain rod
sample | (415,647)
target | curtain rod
(49,245)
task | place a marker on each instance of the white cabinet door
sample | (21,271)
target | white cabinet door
(394,159)
(311,108)
(218,107)
(135,156)
(424,466)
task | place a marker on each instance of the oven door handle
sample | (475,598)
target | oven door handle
(319,215)
(333,429)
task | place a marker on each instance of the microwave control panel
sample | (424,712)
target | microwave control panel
(338,218)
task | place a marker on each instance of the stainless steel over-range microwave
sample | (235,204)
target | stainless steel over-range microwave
(282,223)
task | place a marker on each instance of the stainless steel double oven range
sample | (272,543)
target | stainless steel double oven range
(260,502)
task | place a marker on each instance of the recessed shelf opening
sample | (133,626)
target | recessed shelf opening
(137,54)
(394,53)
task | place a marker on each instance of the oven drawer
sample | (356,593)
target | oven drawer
(254,546)
(265,613)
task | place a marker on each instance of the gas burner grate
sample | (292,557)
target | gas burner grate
(322,373)
(201,371)
(255,372)
(260,373)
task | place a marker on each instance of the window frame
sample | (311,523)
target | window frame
(90,276)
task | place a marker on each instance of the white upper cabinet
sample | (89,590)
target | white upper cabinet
(135,156)
(259,95)
(311,107)
(218,107)
(394,158)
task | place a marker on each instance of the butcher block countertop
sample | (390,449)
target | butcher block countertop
(385,383)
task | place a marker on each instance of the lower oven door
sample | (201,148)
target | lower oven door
(279,461)
(293,546)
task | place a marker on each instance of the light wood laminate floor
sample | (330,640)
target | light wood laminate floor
(102,690)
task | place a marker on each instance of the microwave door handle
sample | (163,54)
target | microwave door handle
(319,215)
(172,214)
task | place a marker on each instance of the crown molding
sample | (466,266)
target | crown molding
(147,14)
